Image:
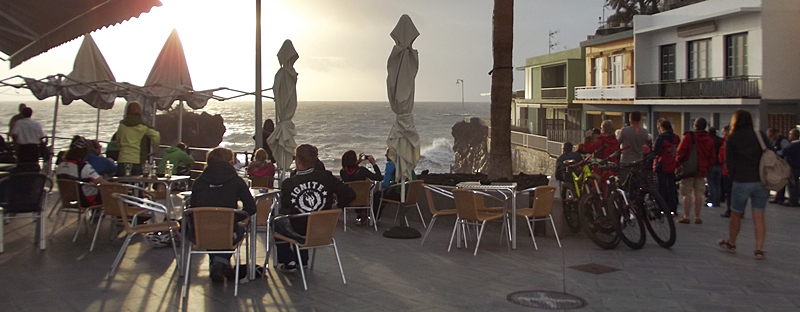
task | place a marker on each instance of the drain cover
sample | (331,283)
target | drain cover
(594,268)
(543,299)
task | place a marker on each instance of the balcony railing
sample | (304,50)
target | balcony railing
(559,135)
(615,92)
(712,88)
(554,93)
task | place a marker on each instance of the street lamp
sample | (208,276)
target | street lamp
(461,83)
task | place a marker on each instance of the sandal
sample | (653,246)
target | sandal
(684,221)
(759,254)
(698,221)
(727,246)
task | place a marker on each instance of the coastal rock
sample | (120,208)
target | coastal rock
(470,146)
(199,130)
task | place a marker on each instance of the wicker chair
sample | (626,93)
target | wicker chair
(71,203)
(468,204)
(319,233)
(440,190)
(213,234)
(542,206)
(110,209)
(414,188)
(363,200)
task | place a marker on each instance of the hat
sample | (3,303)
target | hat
(78,142)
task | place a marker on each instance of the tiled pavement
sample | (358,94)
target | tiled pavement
(400,275)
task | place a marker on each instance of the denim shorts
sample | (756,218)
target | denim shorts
(742,191)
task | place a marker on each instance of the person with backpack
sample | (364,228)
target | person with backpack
(694,185)
(743,154)
(666,147)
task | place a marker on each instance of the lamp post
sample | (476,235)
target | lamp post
(461,83)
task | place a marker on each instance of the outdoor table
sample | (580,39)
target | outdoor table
(259,196)
(501,187)
(167,182)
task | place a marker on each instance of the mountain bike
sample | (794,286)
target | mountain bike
(593,210)
(575,176)
(637,201)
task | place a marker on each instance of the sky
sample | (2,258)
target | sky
(343,45)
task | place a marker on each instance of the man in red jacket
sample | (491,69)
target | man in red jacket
(706,157)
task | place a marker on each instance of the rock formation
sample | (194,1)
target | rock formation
(199,130)
(470,146)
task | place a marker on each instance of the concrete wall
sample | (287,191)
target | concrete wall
(531,161)
(780,48)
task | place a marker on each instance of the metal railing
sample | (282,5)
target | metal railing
(561,135)
(712,88)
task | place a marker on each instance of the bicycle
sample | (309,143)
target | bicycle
(595,219)
(573,184)
(648,208)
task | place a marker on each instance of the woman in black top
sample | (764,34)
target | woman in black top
(742,158)
(351,171)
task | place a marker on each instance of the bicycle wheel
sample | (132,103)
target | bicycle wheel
(570,205)
(597,226)
(657,218)
(628,225)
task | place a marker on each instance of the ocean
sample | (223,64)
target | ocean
(333,127)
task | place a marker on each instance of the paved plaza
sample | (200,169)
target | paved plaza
(400,275)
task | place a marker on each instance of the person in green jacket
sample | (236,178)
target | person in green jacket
(130,134)
(112,149)
(177,156)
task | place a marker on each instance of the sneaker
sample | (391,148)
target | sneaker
(359,221)
(217,273)
(288,267)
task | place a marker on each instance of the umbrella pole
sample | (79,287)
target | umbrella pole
(259,132)
(55,120)
(401,230)
(180,122)
(97,126)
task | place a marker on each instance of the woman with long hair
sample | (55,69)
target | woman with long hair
(742,158)
(351,171)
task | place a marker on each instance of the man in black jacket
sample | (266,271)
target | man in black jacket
(308,191)
(220,186)
(777,142)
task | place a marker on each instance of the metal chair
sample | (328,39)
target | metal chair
(363,200)
(442,191)
(213,233)
(123,203)
(468,203)
(25,193)
(319,233)
(69,191)
(413,189)
(110,209)
(542,206)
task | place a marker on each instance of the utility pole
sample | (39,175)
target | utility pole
(461,83)
(550,44)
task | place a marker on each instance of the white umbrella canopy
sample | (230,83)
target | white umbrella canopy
(89,66)
(281,141)
(169,80)
(402,66)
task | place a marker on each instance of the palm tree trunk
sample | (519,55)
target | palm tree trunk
(502,79)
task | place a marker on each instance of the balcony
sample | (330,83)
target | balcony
(615,92)
(712,88)
(554,93)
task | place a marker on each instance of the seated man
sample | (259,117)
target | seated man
(103,166)
(310,190)
(75,167)
(220,186)
(177,156)
(389,179)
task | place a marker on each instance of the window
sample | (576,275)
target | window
(699,53)
(736,55)
(598,71)
(615,73)
(668,62)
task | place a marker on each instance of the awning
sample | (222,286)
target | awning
(31,27)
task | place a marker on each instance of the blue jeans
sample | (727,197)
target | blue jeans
(714,179)
(754,191)
(668,190)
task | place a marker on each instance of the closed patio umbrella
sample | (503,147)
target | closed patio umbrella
(402,68)
(281,141)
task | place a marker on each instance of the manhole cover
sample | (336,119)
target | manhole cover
(594,268)
(543,299)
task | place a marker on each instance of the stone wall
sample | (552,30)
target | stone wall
(532,161)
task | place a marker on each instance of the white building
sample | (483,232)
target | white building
(711,58)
